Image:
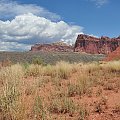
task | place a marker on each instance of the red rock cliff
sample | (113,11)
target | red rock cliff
(93,45)
(54,47)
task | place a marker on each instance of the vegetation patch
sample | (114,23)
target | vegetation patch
(62,91)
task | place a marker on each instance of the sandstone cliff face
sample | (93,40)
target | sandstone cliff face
(93,45)
(52,48)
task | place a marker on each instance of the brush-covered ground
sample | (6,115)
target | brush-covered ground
(49,57)
(64,91)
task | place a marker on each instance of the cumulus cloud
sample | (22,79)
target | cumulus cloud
(13,46)
(10,8)
(22,25)
(100,2)
(28,29)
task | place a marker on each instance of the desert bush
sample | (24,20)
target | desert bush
(8,101)
(80,87)
(50,70)
(10,91)
(59,94)
(113,66)
(91,67)
(72,90)
(25,65)
(63,69)
(39,110)
(60,70)
(34,70)
(83,112)
(38,61)
(83,83)
(42,80)
(76,67)
(63,105)
(14,72)
(56,82)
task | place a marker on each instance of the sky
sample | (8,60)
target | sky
(26,22)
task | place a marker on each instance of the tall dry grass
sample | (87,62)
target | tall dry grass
(9,91)
(112,66)
(13,86)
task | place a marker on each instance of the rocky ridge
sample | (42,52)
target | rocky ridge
(84,43)
(94,45)
(54,47)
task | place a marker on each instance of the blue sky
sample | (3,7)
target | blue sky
(55,20)
(98,19)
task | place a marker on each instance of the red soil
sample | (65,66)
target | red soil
(107,113)
(108,98)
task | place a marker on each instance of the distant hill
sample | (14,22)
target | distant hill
(53,47)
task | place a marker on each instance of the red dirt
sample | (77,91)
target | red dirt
(113,99)
(108,99)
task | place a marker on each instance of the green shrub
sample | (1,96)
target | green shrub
(26,65)
(38,61)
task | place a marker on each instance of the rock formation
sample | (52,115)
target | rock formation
(93,45)
(84,43)
(54,47)
(115,55)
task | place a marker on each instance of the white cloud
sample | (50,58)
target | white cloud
(100,2)
(9,9)
(28,29)
(13,46)
(22,25)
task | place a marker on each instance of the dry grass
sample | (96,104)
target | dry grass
(80,87)
(63,105)
(34,70)
(113,66)
(37,92)
(10,90)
